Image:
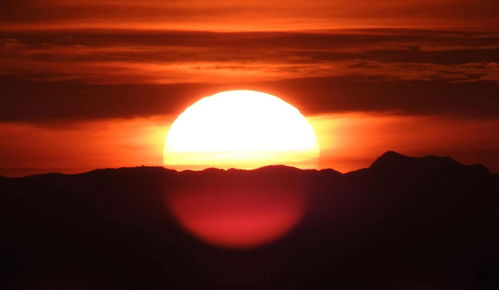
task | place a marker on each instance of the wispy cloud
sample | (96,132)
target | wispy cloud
(120,74)
(191,57)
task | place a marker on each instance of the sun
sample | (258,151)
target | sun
(240,129)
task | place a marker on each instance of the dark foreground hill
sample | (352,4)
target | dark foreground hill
(404,223)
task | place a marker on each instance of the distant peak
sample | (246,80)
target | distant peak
(390,157)
(392,154)
(394,161)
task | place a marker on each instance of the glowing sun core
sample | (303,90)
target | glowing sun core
(240,129)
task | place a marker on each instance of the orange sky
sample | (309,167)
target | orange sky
(348,141)
(254,15)
(91,84)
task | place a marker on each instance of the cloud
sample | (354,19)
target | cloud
(168,57)
(90,74)
(32,101)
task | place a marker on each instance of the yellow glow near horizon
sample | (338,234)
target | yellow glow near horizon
(240,129)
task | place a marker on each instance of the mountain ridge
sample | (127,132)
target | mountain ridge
(389,159)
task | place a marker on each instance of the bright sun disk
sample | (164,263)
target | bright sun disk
(240,129)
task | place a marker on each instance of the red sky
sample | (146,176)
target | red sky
(90,84)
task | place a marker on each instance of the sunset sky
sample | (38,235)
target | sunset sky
(92,84)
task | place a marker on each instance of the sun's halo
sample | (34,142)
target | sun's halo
(240,129)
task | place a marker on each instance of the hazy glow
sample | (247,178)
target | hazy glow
(238,209)
(348,141)
(243,129)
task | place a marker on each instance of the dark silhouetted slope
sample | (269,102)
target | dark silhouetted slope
(402,223)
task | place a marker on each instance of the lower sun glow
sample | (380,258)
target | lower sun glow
(240,129)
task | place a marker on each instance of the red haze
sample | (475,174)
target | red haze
(240,209)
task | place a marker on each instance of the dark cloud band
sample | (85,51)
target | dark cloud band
(32,101)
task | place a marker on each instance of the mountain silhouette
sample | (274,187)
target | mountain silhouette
(402,223)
